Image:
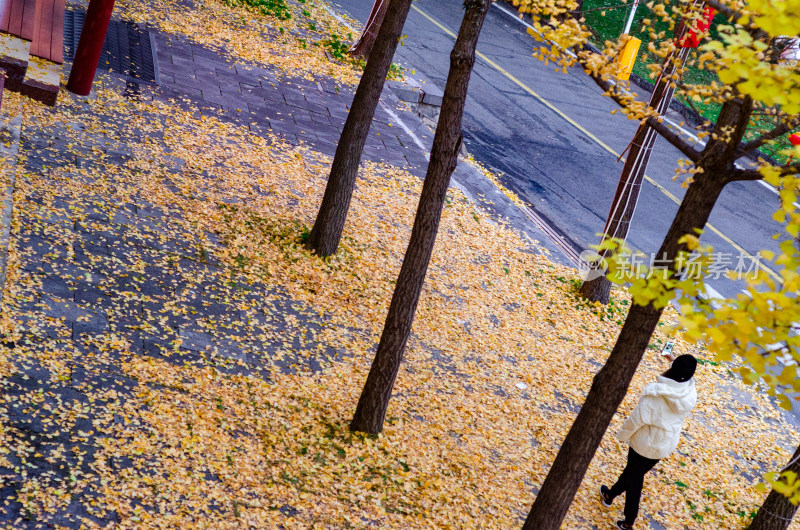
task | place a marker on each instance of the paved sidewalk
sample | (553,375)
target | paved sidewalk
(75,292)
(314,112)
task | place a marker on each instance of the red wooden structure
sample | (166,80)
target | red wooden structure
(699,29)
(32,28)
(16,17)
(35,28)
(48,30)
(89,46)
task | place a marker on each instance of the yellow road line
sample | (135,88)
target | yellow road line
(715,230)
(597,140)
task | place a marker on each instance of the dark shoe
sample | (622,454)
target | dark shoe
(622,526)
(605,498)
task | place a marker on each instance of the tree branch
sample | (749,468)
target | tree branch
(745,174)
(675,139)
(754,174)
(669,135)
(781,129)
(734,16)
(725,10)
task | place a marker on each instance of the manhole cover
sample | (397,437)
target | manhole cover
(126,50)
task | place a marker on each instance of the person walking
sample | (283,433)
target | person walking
(653,431)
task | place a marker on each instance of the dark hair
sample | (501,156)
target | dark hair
(682,368)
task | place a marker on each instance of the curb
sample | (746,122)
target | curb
(479,190)
(10,129)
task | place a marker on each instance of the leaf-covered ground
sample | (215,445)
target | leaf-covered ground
(173,357)
(297,44)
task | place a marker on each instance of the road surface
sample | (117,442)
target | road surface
(554,140)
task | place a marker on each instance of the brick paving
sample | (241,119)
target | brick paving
(297,110)
(75,289)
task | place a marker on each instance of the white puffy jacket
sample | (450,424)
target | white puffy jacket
(654,428)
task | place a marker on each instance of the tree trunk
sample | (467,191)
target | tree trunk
(366,40)
(372,405)
(327,231)
(611,383)
(596,290)
(577,13)
(777,512)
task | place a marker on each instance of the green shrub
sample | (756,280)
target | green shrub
(272,8)
(336,47)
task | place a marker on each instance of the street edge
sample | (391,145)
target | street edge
(10,128)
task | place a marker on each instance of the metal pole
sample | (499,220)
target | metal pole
(90,45)
(629,23)
(630,182)
(627,195)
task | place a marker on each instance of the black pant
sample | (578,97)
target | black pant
(631,481)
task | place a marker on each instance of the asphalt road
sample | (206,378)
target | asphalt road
(553,159)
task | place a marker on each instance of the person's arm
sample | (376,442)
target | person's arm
(635,422)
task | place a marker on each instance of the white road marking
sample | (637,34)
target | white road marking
(389,110)
(787,360)
(513,15)
(392,114)
(522,21)
(332,13)
(713,294)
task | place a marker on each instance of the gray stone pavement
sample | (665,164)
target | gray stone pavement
(74,289)
(262,99)
(313,112)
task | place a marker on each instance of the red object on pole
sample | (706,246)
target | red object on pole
(698,29)
(90,45)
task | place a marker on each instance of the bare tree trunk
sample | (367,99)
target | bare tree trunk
(777,512)
(372,405)
(328,227)
(596,290)
(611,383)
(577,13)
(363,47)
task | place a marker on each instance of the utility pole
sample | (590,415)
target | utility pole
(627,194)
(624,204)
(366,40)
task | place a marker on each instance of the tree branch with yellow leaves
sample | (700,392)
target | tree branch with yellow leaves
(781,129)
(621,98)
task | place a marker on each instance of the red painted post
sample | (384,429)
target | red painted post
(90,45)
